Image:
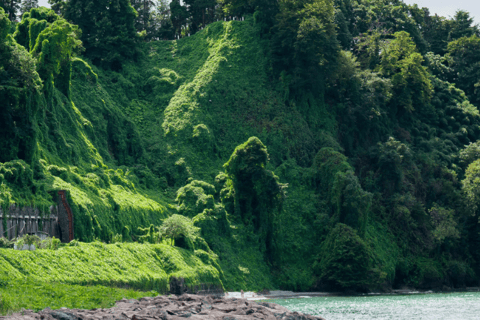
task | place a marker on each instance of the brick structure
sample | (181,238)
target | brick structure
(65,217)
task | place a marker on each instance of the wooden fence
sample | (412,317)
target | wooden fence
(57,222)
(28,220)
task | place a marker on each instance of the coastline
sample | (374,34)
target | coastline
(279,294)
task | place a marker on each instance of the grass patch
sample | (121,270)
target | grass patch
(132,265)
(34,295)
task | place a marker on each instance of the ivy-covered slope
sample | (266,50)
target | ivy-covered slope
(350,181)
(133,265)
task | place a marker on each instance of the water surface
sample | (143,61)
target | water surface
(434,306)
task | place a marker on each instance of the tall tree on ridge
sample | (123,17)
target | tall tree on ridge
(144,11)
(57,5)
(162,24)
(178,14)
(11,8)
(108,29)
(462,26)
(27,5)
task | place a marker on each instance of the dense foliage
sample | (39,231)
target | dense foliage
(312,144)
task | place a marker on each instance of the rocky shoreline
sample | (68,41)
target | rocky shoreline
(194,307)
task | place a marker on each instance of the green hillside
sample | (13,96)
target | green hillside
(322,146)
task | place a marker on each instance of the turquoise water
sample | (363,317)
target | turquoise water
(452,306)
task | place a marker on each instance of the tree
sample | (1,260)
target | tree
(162,23)
(11,8)
(195,197)
(54,49)
(144,14)
(180,229)
(402,63)
(57,5)
(108,29)
(336,181)
(257,193)
(20,86)
(346,262)
(464,58)
(434,29)
(27,5)
(471,192)
(178,14)
(304,43)
(462,26)
(389,16)
(200,13)
(52,41)
(444,223)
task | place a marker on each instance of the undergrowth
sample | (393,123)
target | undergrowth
(17,295)
(132,265)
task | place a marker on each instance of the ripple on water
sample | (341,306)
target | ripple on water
(434,306)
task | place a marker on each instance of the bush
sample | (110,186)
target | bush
(346,262)
(5,243)
(181,230)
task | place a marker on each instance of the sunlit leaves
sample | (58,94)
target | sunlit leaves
(410,79)
(54,47)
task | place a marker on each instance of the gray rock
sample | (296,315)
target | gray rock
(186,306)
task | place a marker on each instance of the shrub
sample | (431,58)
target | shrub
(346,262)
(5,243)
(181,230)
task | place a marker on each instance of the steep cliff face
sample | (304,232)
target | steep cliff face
(360,172)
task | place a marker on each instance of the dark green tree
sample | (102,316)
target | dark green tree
(335,180)
(20,87)
(344,20)
(108,29)
(11,8)
(237,8)
(27,5)
(462,26)
(345,261)
(57,5)
(388,16)
(304,43)
(162,23)
(471,192)
(434,29)
(201,12)
(144,10)
(464,59)
(257,193)
(179,16)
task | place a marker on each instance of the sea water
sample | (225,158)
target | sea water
(434,306)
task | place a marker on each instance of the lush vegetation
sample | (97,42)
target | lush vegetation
(311,144)
(26,294)
(133,265)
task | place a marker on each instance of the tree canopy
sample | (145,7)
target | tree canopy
(108,29)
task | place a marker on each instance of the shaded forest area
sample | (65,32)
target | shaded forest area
(299,144)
